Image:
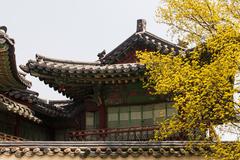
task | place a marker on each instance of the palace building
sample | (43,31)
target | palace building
(108,115)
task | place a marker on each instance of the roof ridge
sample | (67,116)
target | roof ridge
(163,40)
(156,40)
(40,57)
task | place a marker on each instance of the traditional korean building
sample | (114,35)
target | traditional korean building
(108,115)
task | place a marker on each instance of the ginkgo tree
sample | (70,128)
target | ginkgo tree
(200,80)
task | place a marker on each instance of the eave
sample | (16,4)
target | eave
(10,78)
(61,109)
(150,42)
(71,78)
(17,108)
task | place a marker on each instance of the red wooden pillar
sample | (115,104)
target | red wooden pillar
(102,114)
(100,106)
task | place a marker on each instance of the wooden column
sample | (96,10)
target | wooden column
(98,89)
(102,115)
(101,108)
(83,120)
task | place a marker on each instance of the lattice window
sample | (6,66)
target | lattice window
(92,120)
(140,115)
(113,117)
(147,112)
(136,115)
(159,112)
(170,110)
(124,116)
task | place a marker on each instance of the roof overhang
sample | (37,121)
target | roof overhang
(76,79)
(10,78)
(17,108)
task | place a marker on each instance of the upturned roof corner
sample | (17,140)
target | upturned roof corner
(7,55)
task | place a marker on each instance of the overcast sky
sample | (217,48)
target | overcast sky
(73,29)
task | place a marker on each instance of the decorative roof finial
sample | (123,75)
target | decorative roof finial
(141,25)
(101,54)
(3,28)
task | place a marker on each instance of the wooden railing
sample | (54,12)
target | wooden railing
(7,137)
(116,134)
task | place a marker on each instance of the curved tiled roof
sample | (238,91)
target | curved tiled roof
(80,76)
(140,38)
(17,108)
(48,66)
(9,76)
(104,149)
(51,108)
(64,109)
(23,95)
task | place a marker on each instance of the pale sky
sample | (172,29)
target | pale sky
(73,29)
